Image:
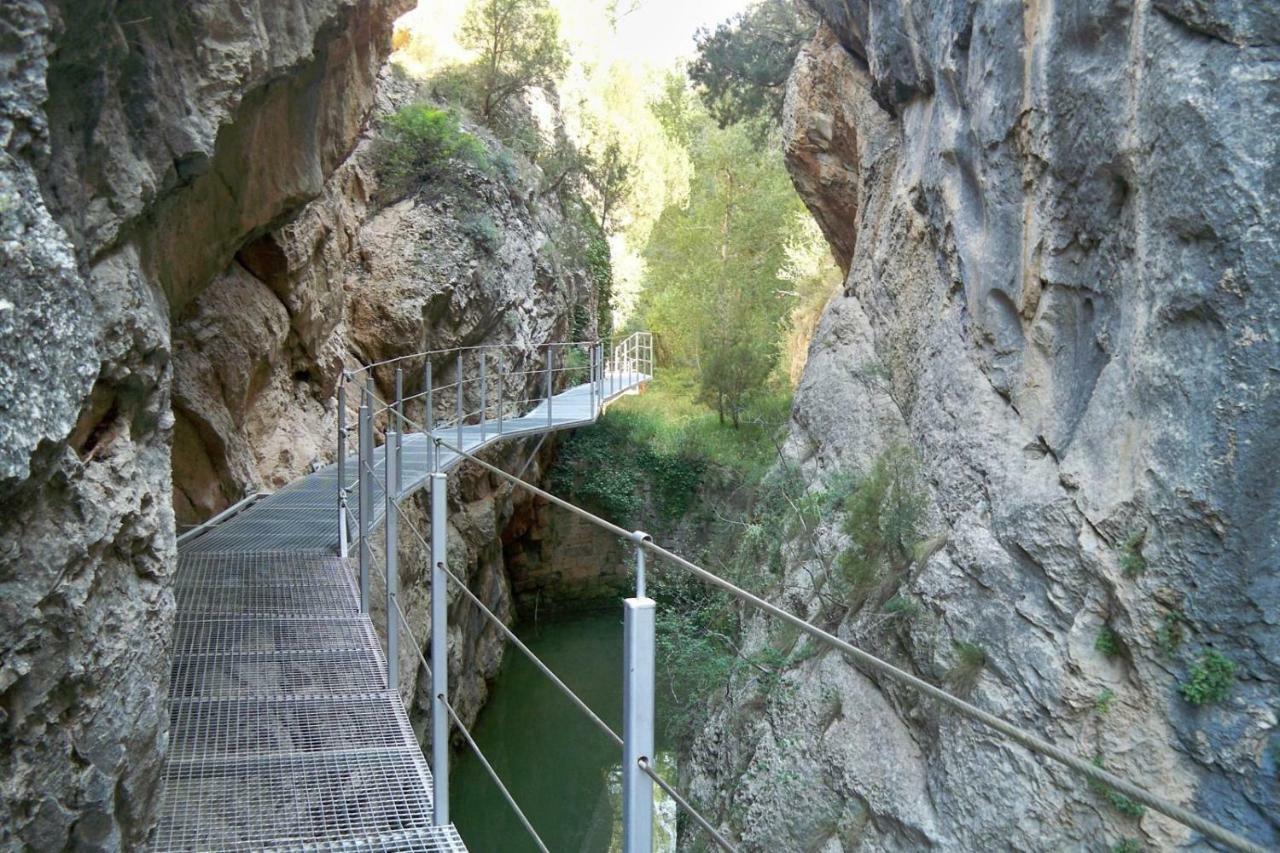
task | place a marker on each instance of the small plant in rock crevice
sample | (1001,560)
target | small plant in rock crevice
(1169,634)
(1102,704)
(1210,679)
(884,517)
(970,660)
(1127,845)
(1132,563)
(1108,642)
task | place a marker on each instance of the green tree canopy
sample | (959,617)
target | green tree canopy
(713,294)
(519,46)
(741,69)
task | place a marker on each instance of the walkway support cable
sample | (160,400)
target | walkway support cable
(647,769)
(493,774)
(1025,738)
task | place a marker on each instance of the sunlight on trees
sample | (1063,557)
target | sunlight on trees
(517,45)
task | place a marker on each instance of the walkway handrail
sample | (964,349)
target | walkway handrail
(1027,739)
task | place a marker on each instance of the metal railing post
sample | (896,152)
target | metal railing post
(391,525)
(637,713)
(364,462)
(429,413)
(502,389)
(484,389)
(460,447)
(439,648)
(551,358)
(398,414)
(342,465)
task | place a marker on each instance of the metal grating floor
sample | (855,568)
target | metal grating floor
(283,734)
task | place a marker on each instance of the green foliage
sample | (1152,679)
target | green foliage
(1209,680)
(884,516)
(714,295)
(1102,704)
(1169,634)
(1114,798)
(1132,563)
(741,69)
(901,605)
(970,660)
(599,263)
(518,47)
(1127,845)
(1108,642)
(417,143)
(480,229)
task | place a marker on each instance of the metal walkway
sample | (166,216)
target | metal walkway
(284,733)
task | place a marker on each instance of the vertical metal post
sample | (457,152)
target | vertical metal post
(364,464)
(398,415)
(551,357)
(429,412)
(342,465)
(439,648)
(502,390)
(460,447)
(637,724)
(484,390)
(391,525)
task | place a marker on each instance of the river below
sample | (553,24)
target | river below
(559,767)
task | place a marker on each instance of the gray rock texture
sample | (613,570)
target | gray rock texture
(480,256)
(1061,222)
(141,146)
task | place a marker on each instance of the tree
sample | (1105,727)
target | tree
(741,69)
(611,174)
(713,294)
(519,47)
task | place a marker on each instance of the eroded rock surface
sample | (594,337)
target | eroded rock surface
(141,145)
(1061,297)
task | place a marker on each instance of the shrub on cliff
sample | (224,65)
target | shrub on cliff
(417,143)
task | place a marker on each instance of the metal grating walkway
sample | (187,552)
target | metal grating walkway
(283,734)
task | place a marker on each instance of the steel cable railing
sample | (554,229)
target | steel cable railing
(1026,739)
(538,664)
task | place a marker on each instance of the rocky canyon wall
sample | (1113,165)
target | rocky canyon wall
(1059,221)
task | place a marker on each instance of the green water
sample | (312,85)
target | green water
(560,768)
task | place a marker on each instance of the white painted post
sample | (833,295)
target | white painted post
(342,465)
(551,357)
(502,390)
(364,462)
(439,648)
(637,723)
(398,414)
(391,525)
(484,389)
(459,386)
(429,413)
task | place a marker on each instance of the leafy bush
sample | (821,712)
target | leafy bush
(1107,642)
(1169,634)
(1127,845)
(1102,704)
(901,605)
(971,659)
(1132,563)
(481,230)
(1210,679)
(417,143)
(884,515)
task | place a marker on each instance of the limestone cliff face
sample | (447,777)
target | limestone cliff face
(1060,221)
(141,146)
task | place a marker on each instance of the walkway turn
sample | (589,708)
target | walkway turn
(283,732)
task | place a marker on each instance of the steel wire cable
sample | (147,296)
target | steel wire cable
(493,774)
(1030,741)
(647,770)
